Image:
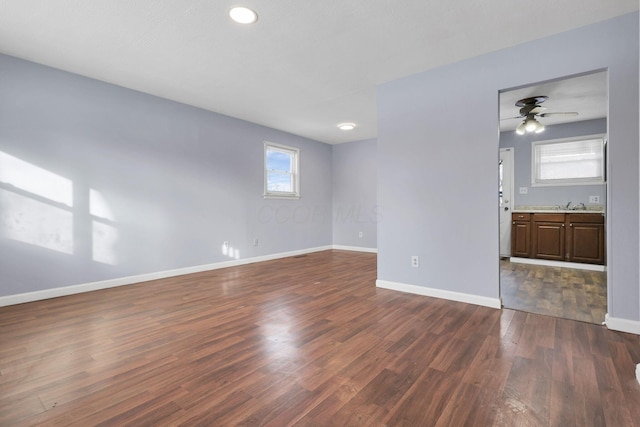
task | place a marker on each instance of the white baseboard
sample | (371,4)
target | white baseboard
(122,281)
(356,249)
(622,325)
(564,264)
(440,293)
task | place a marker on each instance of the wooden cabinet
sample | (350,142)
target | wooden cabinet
(585,238)
(521,235)
(574,237)
(548,240)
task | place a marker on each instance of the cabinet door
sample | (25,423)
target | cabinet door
(548,240)
(521,239)
(586,243)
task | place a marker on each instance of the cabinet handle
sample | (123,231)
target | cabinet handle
(570,225)
(563,225)
(514,223)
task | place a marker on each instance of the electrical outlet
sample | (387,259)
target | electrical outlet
(415,261)
(255,242)
(594,199)
(524,190)
(360,234)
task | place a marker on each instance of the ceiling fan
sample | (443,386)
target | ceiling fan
(530,109)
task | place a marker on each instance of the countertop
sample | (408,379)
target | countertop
(554,209)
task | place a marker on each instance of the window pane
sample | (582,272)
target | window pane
(279,161)
(278,181)
(281,171)
(574,160)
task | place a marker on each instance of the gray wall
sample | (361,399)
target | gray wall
(438,141)
(355,207)
(178,181)
(557,195)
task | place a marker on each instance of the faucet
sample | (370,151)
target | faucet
(568,206)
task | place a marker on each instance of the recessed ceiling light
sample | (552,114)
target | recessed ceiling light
(347,126)
(243,15)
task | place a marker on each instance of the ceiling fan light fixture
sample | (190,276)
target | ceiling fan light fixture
(530,125)
(243,15)
(530,109)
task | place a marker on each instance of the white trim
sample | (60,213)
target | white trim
(564,184)
(440,293)
(271,196)
(356,249)
(622,325)
(508,152)
(563,264)
(112,283)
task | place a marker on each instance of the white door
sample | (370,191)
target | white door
(505,193)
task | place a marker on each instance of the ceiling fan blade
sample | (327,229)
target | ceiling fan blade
(511,118)
(537,109)
(566,114)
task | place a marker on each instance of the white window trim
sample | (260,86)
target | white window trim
(565,182)
(295,171)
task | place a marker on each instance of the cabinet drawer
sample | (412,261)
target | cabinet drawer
(520,216)
(548,217)
(590,218)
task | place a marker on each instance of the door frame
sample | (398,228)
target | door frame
(509,152)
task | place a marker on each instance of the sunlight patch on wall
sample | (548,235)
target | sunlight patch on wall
(98,205)
(35,205)
(34,222)
(105,237)
(35,180)
(230,251)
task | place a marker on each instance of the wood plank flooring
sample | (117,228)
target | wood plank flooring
(304,341)
(554,291)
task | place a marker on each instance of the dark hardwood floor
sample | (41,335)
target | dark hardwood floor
(305,341)
(553,291)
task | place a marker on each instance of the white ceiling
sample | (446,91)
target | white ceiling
(304,67)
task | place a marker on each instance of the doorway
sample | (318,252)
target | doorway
(568,108)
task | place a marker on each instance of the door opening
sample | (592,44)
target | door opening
(544,276)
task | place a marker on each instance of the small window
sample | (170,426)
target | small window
(281,171)
(568,161)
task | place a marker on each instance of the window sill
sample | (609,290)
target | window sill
(282,196)
(566,183)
